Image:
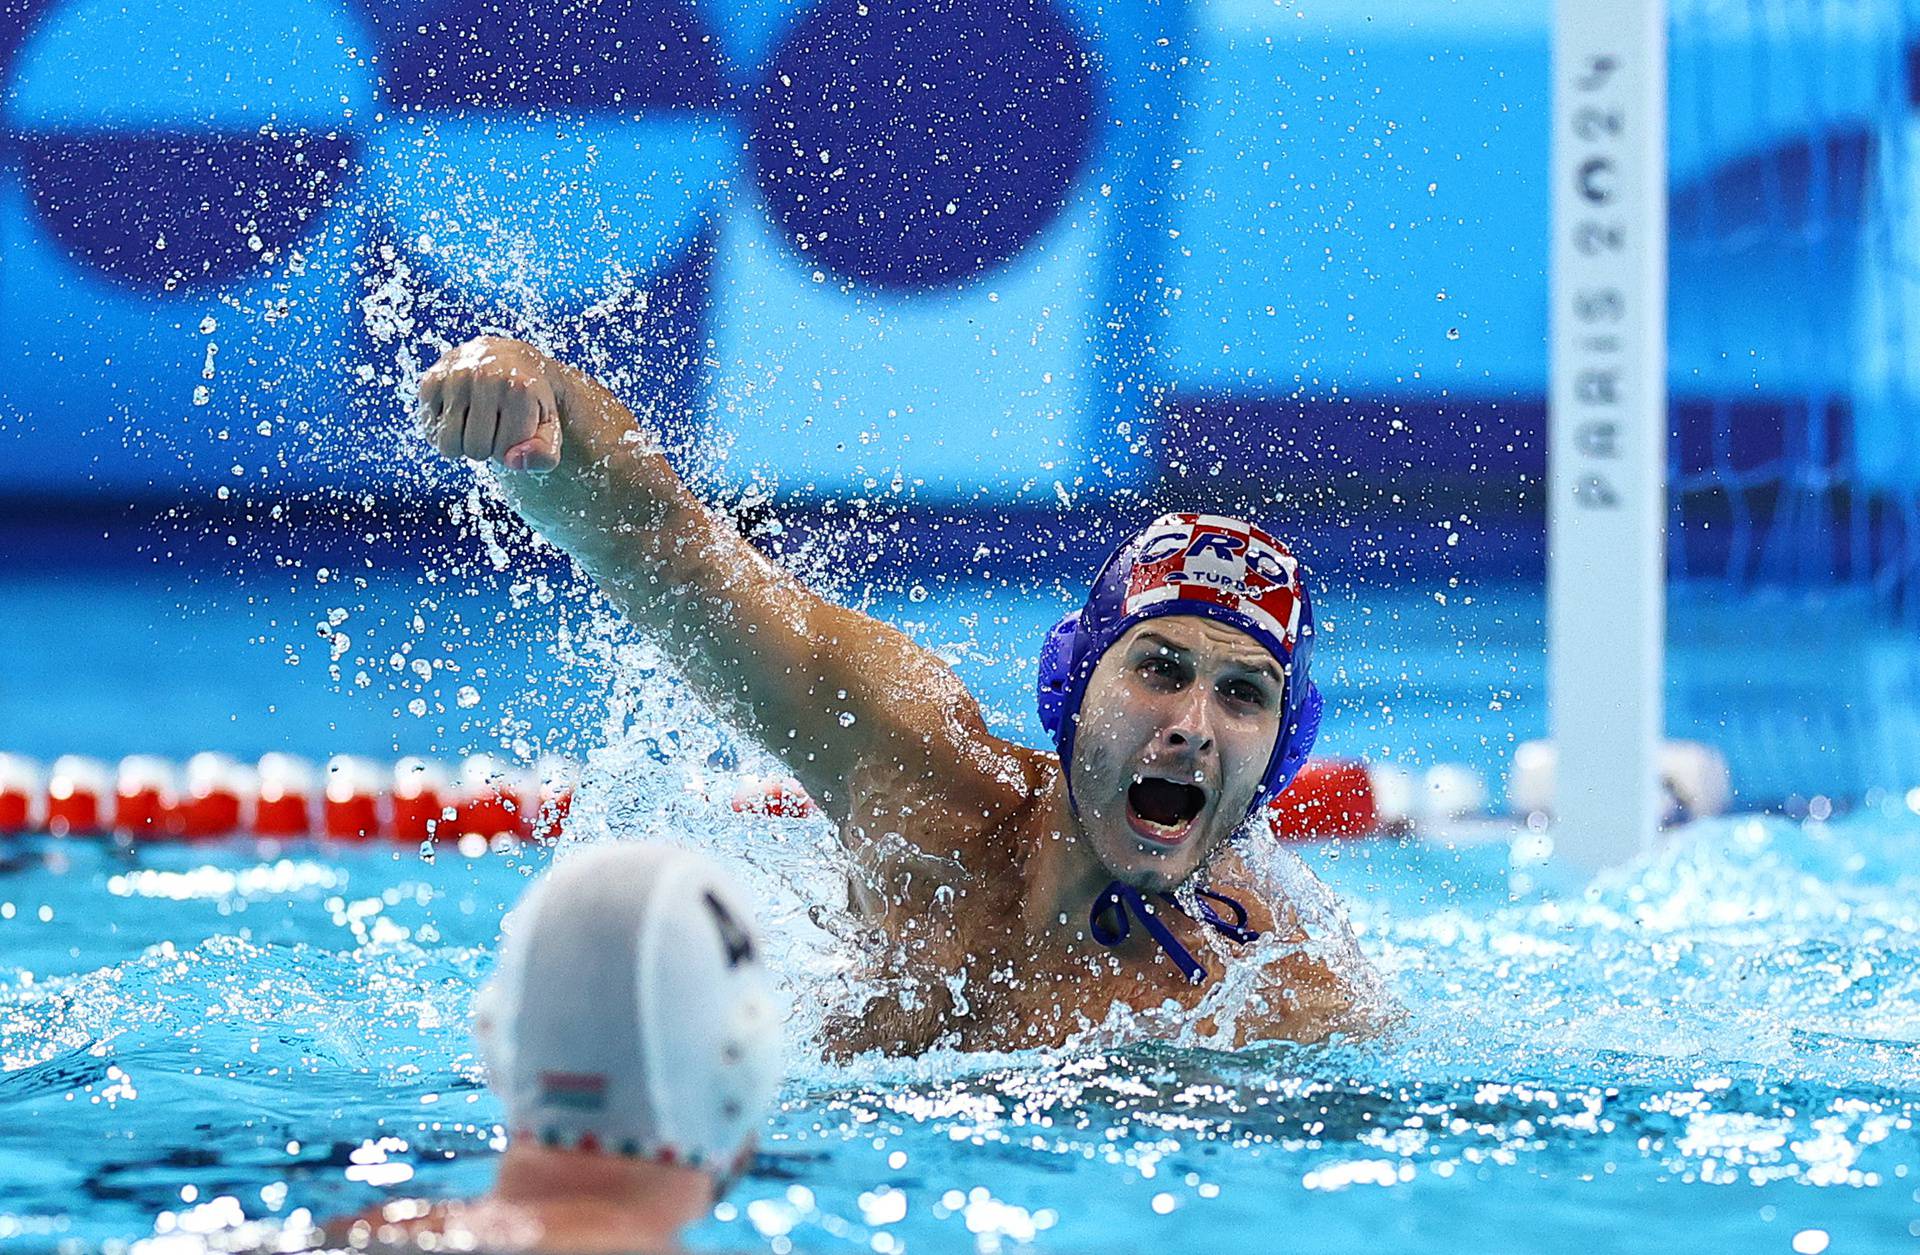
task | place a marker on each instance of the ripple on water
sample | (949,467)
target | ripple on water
(1721,1037)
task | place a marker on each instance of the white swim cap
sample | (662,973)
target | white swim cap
(631,1011)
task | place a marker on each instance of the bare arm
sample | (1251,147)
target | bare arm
(826,689)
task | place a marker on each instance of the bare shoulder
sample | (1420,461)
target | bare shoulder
(1326,982)
(979,798)
(1269,905)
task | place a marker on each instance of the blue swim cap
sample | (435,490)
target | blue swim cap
(1202,564)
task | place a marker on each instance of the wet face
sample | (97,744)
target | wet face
(1178,723)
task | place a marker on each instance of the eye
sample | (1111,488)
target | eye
(1244,692)
(1160,667)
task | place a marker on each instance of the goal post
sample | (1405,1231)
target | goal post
(1607,426)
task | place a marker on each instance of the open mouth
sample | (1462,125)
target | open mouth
(1162,810)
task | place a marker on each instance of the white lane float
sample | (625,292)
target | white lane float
(77,791)
(1693,775)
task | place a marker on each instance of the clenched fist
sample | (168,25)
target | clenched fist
(494,399)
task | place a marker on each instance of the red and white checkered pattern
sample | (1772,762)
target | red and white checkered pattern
(1222,561)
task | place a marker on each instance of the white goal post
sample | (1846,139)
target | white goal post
(1607,426)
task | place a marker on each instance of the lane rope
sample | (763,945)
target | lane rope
(145,798)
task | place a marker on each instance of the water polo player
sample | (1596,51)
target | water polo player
(631,1031)
(1017,902)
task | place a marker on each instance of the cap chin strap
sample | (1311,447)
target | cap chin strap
(1108,922)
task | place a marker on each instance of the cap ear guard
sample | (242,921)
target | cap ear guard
(1056,672)
(495,1003)
(709,1023)
(1306,729)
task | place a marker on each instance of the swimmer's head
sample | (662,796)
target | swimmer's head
(1178,696)
(631,1012)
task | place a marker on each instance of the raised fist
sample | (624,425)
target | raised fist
(494,399)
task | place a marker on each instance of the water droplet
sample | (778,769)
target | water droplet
(846,719)
(417,707)
(208,326)
(468,697)
(917,593)
(202,394)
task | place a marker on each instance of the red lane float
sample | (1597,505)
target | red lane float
(76,789)
(215,803)
(421,793)
(283,797)
(22,794)
(416,801)
(287,794)
(782,798)
(350,803)
(146,797)
(1331,798)
(491,800)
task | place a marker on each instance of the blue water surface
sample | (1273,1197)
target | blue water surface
(1710,1050)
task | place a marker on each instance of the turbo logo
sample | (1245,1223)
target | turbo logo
(1221,560)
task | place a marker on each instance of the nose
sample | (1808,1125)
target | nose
(1190,728)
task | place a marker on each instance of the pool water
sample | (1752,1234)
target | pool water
(1712,1050)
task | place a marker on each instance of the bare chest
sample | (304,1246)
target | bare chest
(956,955)
(956,960)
